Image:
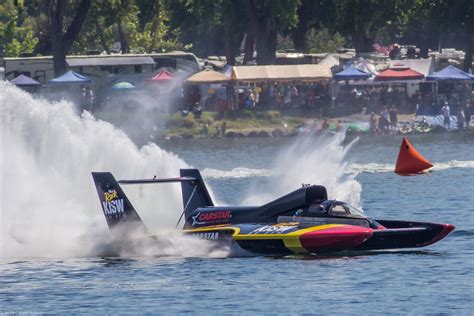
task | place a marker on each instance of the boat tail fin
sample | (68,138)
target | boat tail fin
(117,208)
(194,193)
(410,161)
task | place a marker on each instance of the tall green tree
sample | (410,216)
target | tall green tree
(424,27)
(431,20)
(217,27)
(62,41)
(268,18)
(16,29)
(213,27)
(459,17)
(197,21)
(139,26)
(368,21)
(311,15)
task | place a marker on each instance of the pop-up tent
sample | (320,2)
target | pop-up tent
(207,76)
(70,77)
(399,74)
(423,66)
(351,73)
(25,81)
(450,73)
(283,73)
(162,76)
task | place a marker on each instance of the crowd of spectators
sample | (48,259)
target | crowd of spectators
(374,98)
(281,96)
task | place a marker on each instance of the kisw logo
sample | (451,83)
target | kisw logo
(114,207)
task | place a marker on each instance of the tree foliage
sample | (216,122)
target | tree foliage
(127,27)
(16,29)
(221,27)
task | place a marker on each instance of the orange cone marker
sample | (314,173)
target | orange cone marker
(410,161)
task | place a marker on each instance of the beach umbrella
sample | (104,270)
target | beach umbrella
(124,85)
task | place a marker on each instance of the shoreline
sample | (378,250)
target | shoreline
(303,125)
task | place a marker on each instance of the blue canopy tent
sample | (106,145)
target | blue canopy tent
(70,77)
(25,81)
(351,73)
(450,73)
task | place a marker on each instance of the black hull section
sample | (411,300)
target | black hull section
(403,234)
(265,247)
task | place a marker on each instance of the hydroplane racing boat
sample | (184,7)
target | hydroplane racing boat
(303,221)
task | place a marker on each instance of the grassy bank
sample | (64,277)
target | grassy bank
(242,122)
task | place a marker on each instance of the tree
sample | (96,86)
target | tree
(431,20)
(62,42)
(307,18)
(197,21)
(322,40)
(16,29)
(459,17)
(368,21)
(213,27)
(270,17)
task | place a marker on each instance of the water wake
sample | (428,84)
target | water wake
(48,201)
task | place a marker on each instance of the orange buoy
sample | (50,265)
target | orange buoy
(410,161)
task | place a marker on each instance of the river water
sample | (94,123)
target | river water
(53,258)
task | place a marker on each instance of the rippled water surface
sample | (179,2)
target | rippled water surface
(434,280)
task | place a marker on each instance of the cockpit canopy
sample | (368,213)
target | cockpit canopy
(330,208)
(338,208)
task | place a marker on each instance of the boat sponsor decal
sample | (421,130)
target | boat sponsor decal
(113,206)
(273,229)
(219,217)
(286,224)
(207,235)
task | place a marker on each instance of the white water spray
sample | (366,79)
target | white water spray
(49,206)
(140,112)
(313,160)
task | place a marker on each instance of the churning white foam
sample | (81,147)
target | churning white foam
(350,169)
(312,160)
(49,206)
(239,172)
(371,167)
(381,168)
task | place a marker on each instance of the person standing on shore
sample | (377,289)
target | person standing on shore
(89,99)
(446,112)
(223,128)
(382,125)
(325,125)
(393,114)
(373,123)
(460,117)
(467,114)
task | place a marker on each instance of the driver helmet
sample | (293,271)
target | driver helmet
(317,208)
(299,212)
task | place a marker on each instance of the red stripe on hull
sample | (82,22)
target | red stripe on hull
(447,228)
(334,239)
